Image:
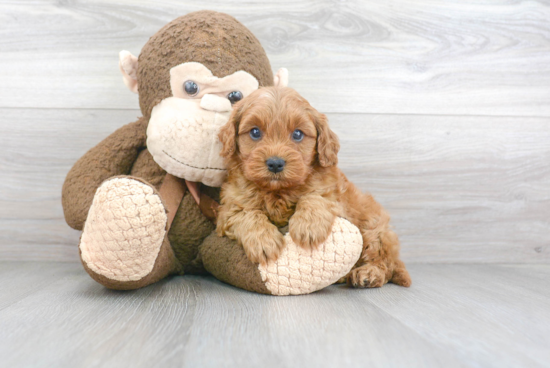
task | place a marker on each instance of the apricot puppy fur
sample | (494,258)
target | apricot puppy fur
(281,157)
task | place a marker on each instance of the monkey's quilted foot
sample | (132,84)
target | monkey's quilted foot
(124,243)
(296,271)
(303,271)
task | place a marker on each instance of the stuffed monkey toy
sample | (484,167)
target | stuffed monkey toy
(146,196)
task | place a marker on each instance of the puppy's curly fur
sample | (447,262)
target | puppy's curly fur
(307,194)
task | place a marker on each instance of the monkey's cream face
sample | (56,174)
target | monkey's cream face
(183,130)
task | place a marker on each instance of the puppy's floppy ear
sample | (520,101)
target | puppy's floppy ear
(228,133)
(327,141)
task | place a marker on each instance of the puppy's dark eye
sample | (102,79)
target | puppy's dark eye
(255,134)
(235,96)
(191,88)
(297,135)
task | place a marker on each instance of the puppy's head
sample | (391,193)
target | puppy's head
(277,138)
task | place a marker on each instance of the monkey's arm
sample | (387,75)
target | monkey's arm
(113,156)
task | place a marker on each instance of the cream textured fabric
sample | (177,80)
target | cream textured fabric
(281,78)
(300,271)
(215,103)
(208,83)
(128,64)
(183,139)
(124,230)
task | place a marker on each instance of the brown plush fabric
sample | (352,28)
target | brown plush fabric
(188,231)
(165,264)
(145,167)
(217,40)
(226,260)
(115,155)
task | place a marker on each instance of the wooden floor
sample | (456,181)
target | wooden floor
(53,314)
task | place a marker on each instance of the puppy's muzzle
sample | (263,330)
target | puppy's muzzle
(275,164)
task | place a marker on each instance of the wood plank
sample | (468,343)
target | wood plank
(194,321)
(331,328)
(76,321)
(409,57)
(459,189)
(453,315)
(37,149)
(21,279)
(488,315)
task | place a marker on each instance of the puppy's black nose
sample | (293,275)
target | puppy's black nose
(275,164)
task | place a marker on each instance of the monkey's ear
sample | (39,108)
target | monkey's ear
(281,78)
(228,133)
(128,65)
(327,141)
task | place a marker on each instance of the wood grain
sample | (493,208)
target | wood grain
(409,57)
(20,280)
(37,149)
(459,189)
(452,316)
(479,312)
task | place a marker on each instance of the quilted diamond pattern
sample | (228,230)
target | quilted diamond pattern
(124,230)
(301,271)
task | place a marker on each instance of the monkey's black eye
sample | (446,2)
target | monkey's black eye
(191,88)
(235,96)
(255,134)
(297,135)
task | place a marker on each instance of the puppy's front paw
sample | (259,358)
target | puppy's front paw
(308,230)
(263,245)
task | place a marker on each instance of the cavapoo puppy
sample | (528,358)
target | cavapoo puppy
(281,156)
